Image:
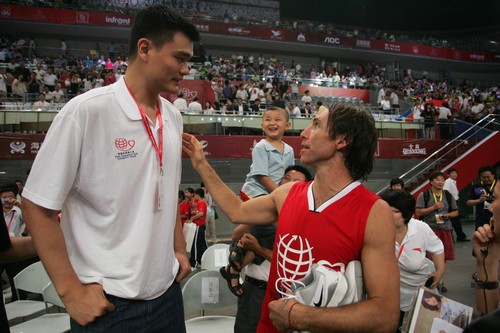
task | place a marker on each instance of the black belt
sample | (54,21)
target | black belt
(258,283)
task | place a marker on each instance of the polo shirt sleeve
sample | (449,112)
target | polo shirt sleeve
(56,165)
(260,160)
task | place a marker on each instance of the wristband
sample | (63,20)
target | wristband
(289,315)
(488,285)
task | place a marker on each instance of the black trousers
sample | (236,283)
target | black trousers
(457,226)
(199,246)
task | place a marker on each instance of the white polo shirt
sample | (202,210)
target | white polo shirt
(413,268)
(98,165)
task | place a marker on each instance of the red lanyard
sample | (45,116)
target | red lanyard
(157,147)
(11,219)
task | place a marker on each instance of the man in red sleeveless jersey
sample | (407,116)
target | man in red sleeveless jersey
(322,224)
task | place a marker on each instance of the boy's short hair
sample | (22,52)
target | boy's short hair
(200,192)
(9,188)
(399,181)
(275,108)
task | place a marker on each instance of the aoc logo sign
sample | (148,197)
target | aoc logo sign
(332,40)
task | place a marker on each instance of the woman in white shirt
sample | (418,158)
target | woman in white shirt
(208,109)
(414,239)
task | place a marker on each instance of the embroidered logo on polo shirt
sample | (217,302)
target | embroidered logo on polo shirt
(125,148)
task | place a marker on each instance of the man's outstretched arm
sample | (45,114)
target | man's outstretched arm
(261,210)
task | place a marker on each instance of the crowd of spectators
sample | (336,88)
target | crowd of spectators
(24,78)
(267,13)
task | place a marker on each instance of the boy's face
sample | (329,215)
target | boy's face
(274,123)
(7,199)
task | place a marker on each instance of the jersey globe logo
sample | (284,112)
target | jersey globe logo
(295,259)
(125,147)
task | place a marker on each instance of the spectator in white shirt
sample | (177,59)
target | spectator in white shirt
(195,106)
(181,103)
(306,98)
(50,79)
(41,104)
(242,93)
(294,111)
(385,104)
(56,96)
(450,184)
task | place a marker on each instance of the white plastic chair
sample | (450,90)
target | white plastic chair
(207,290)
(215,257)
(48,323)
(33,279)
(215,324)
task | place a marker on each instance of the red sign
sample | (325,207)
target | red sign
(25,147)
(66,16)
(194,88)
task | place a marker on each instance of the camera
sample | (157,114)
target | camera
(489,199)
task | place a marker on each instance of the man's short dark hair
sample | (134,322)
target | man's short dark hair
(355,123)
(395,181)
(159,24)
(452,170)
(486,168)
(303,170)
(435,174)
(200,192)
(401,200)
(190,190)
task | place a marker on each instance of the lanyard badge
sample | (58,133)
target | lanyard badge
(158,147)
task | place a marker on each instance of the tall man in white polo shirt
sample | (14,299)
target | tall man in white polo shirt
(112,164)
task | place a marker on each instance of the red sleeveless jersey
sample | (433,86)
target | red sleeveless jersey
(333,232)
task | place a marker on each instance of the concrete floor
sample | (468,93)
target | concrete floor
(457,279)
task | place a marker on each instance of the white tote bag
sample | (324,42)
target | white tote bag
(189,231)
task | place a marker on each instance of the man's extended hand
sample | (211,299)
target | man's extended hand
(485,238)
(87,303)
(279,314)
(192,147)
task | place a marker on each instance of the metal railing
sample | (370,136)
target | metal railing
(451,149)
(29,121)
